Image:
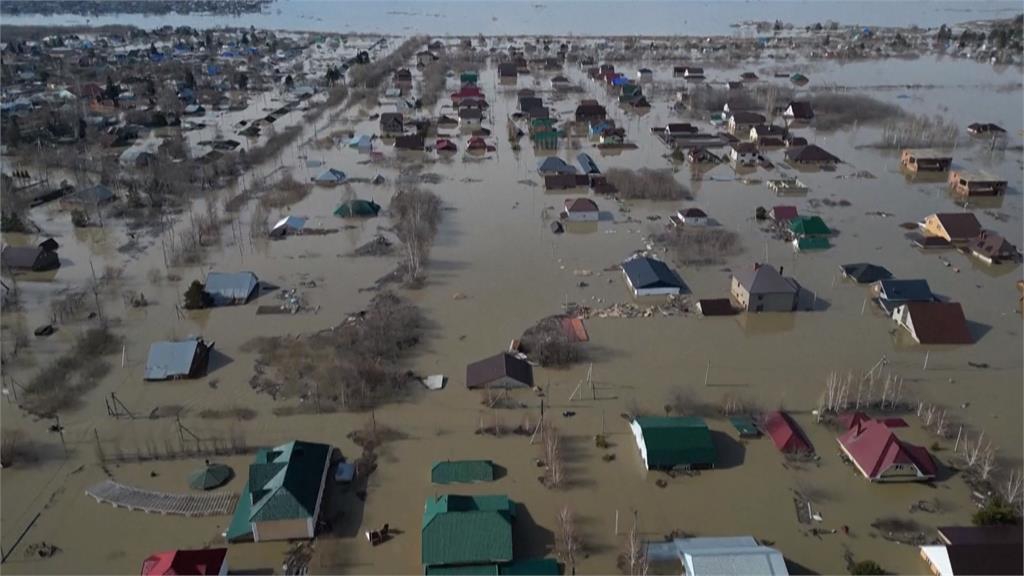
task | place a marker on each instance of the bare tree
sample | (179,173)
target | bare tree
(416,214)
(1013,487)
(636,554)
(552,455)
(568,540)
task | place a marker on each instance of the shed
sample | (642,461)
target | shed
(715,307)
(745,426)
(462,471)
(650,277)
(499,371)
(580,209)
(892,292)
(786,434)
(674,442)
(934,322)
(783,214)
(173,360)
(204,562)
(865,273)
(35,258)
(288,226)
(228,288)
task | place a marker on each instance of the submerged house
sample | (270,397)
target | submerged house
(954,227)
(925,160)
(92,196)
(462,471)
(811,154)
(580,210)
(881,456)
(892,292)
(650,277)
(743,153)
(499,371)
(330,176)
(204,562)
(968,550)
(762,288)
(742,122)
(968,183)
(227,288)
(36,258)
(865,273)
(786,434)
(288,226)
(590,111)
(467,531)
(809,227)
(283,494)
(178,360)
(555,165)
(934,322)
(799,110)
(357,208)
(714,556)
(992,248)
(676,442)
(392,123)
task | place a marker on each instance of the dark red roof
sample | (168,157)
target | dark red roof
(784,213)
(786,434)
(875,448)
(580,205)
(182,562)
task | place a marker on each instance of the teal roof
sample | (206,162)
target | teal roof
(284,483)
(452,471)
(679,441)
(745,426)
(461,530)
(357,207)
(809,226)
(531,567)
(812,243)
(472,570)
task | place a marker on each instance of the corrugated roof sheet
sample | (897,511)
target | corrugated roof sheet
(170,359)
(677,441)
(452,471)
(467,530)
(230,287)
(645,272)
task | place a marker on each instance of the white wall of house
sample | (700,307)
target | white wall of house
(649,291)
(581,216)
(638,434)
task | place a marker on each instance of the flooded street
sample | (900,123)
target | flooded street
(496,269)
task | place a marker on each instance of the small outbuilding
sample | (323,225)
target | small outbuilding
(178,360)
(968,183)
(35,258)
(462,471)
(580,210)
(865,273)
(357,208)
(674,442)
(786,434)
(227,288)
(499,371)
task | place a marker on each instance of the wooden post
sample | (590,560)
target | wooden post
(99,446)
(957,443)
(60,430)
(124,352)
(926,355)
(863,306)
(616,521)
(707,372)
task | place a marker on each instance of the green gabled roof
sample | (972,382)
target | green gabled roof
(680,441)
(809,226)
(812,243)
(472,570)
(452,471)
(531,567)
(745,426)
(240,528)
(460,530)
(357,207)
(284,482)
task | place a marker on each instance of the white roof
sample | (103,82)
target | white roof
(723,556)
(938,557)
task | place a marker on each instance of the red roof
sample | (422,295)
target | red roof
(468,92)
(875,448)
(784,213)
(851,419)
(200,562)
(787,436)
(580,205)
(445,144)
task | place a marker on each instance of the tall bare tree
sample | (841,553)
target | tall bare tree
(416,214)
(568,540)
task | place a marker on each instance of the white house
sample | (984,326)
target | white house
(692,217)
(743,154)
(580,210)
(470,118)
(645,75)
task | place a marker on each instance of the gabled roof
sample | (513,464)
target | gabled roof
(801,110)
(230,286)
(555,165)
(645,272)
(765,279)
(959,225)
(874,448)
(784,213)
(809,226)
(580,205)
(810,153)
(980,534)
(693,213)
(185,562)
(587,163)
(710,556)
(171,359)
(745,117)
(467,530)
(916,290)
(483,372)
(676,441)
(939,323)
(284,482)
(865,273)
(331,175)
(786,434)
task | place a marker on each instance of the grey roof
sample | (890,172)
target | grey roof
(729,555)
(331,175)
(170,359)
(765,279)
(555,165)
(916,290)
(483,372)
(587,164)
(865,273)
(647,272)
(228,287)
(21,256)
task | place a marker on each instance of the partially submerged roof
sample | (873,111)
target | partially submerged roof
(555,165)
(645,272)
(912,290)
(809,226)
(811,153)
(199,562)
(676,441)
(580,205)
(765,279)
(462,471)
(460,530)
(484,372)
(874,447)
(959,225)
(786,434)
(171,359)
(229,287)
(720,556)
(939,323)
(865,273)
(988,559)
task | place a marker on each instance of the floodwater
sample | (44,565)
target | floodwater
(494,246)
(559,17)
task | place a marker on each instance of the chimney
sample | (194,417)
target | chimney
(780,270)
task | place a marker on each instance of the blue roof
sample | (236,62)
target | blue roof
(916,290)
(331,175)
(587,164)
(644,272)
(228,287)
(554,164)
(170,359)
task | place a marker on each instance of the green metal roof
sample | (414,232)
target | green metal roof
(812,243)
(531,567)
(284,482)
(679,441)
(357,207)
(473,570)
(460,530)
(452,471)
(745,426)
(240,529)
(809,226)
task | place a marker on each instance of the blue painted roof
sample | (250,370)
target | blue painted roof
(916,290)
(587,164)
(170,359)
(647,272)
(227,287)
(554,164)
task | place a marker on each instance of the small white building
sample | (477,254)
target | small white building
(470,118)
(580,210)
(645,75)
(743,154)
(692,217)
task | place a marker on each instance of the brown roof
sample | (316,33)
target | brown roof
(580,205)
(980,534)
(716,307)
(993,245)
(939,322)
(481,373)
(985,559)
(959,225)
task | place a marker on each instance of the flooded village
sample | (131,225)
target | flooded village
(349,302)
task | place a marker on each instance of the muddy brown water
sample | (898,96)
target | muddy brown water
(495,247)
